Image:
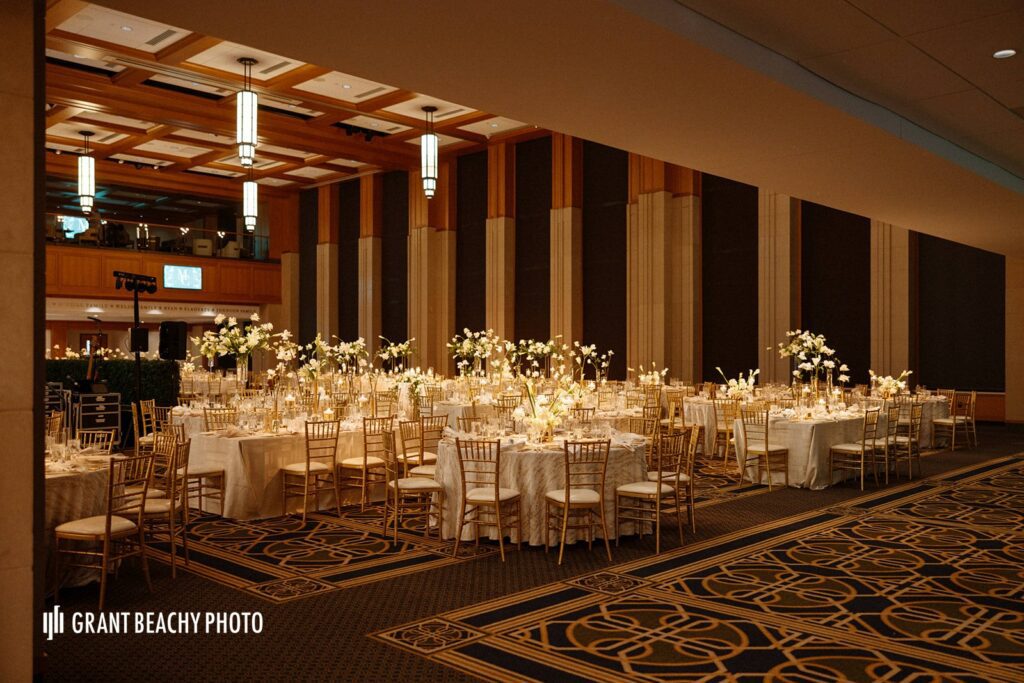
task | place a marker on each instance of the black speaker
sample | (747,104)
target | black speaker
(173,340)
(140,340)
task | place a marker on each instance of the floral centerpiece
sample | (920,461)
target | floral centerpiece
(654,376)
(587,356)
(740,387)
(531,358)
(416,382)
(813,357)
(889,386)
(394,355)
(352,356)
(472,350)
(233,339)
(545,412)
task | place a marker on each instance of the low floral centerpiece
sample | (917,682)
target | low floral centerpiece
(814,359)
(394,355)
(888,386)
(741,387)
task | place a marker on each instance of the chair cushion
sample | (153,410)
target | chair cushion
(958,419)
(758,447)
(645,488)
(848,447)
(147,439)
(424,470)
(157,506)
(371,461)
(203,470)
(427,457)
(416,484)
(578,496)
(667,476)
(300,467)
(96,526)
(879,442)
(904,439)
(150,492)
(486,494)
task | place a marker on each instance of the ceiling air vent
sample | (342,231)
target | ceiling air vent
(372,91)
(156,40)
(453,112)
(275,67)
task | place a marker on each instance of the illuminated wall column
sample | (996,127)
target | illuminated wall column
(327,261)
(778,271)
(501,239)
(662,267)
(21,309)
(682,320)
(566,238)
(284,245)
(893,279)
(432,268)
(370,212)
(1014,333)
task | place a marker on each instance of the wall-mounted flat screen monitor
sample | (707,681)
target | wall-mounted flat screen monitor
(183,277)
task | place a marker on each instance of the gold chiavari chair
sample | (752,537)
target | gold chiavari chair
(858,456)
(165,446)
(582,415)
(645,426)
(101,440)
(605,398)
(727,411)
(961,418)
(186,385)
(710,389)
(643,502)
(187,398)
(419,445)
(170,514)
(635,398)
(426,406)
(676,412)
(907,447)
(409,497)
(586,463)
(368,468)
(758,447)
(250,393)
(884,445)
(55,423)
(219,418)
(652,394)
(144,423)
(684,482)
(484,500)
(505,405)
(947,394)
(318,472)
(118,531)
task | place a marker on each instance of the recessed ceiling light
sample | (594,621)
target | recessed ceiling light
(208,314)
(78,56)
(193,83)
(494,125)
(126,28)
(346,86)
(94,309)
(1004,54)
(375,125)
(154,311)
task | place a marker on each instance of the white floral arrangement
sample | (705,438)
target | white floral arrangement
(585,355)
(653,376)
(233,339)
(813,356)
(351,356)
(285,350)
(395,353)
(888,386)
(532,358)
(545,413)
(741,387)
(471,350)
(314,358)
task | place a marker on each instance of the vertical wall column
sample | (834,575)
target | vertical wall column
(284,245)
(21,307)
(778,270)
(892,299)
(432,268)
(663,267)
(501,239)
(1014,333)
(566,238)
(371,194)
(327,304)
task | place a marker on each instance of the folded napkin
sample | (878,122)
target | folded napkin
(233,431)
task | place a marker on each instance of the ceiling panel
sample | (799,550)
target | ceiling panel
(442,140)
(311,172)
(907,17)
(493,126)
(173,148)
(72,130)
(139,159)
(414,108)
(370,122)
(122,29)
(117,120)
(81,58)
(345,87)
(224,57)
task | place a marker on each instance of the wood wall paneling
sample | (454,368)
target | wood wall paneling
(532,244)
(348,259)
(308,233)
(471,242)
(394,256)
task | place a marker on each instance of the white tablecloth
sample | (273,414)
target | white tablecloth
(252,466)
(808,442)
(455,410)
(533,472)
(71,496)
(702,411)
(934,407)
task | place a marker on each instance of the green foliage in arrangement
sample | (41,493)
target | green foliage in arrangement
(160,378)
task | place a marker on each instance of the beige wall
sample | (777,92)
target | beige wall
(20,309)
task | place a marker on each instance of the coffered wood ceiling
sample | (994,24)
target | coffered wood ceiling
(162,98)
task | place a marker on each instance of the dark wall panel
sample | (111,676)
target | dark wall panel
(962,316)
(307,265)
(394,256)
(348,260)
(533,239)
(471,242)
(835,283)
(605,198)
(729,276)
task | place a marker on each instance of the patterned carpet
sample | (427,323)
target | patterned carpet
(923,581)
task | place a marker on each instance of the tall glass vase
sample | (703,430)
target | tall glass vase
(242,372)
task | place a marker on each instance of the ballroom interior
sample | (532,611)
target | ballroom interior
(592,340)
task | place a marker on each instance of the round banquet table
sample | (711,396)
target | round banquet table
(71,496)
(534,469)
(701,411)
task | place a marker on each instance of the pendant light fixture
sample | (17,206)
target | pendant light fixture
(86,176)
(247,107)
(428,154)
(249,201)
